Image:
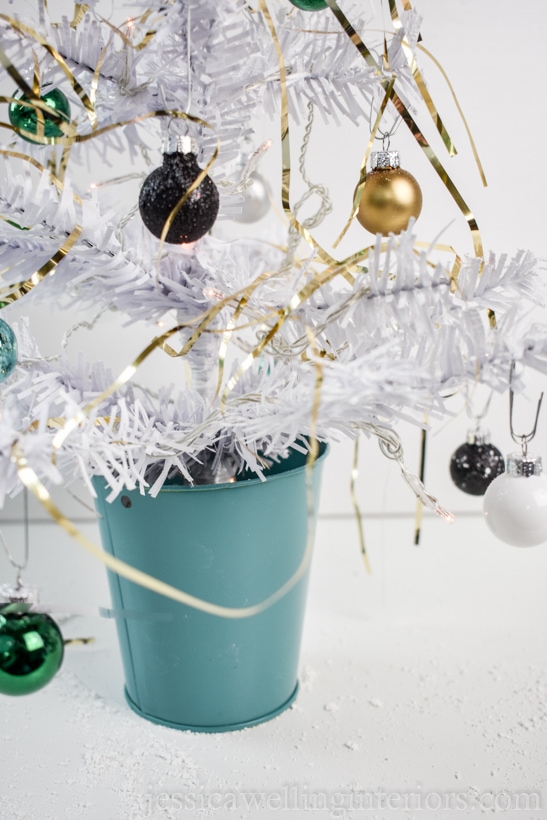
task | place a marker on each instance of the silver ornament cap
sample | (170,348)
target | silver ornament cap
(384,159)
(180,144)
(479,437)
(525,466)
(20,594)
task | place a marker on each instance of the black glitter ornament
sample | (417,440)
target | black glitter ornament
(476,464)
(164,188)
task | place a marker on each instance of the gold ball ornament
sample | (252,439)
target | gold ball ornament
(390,197)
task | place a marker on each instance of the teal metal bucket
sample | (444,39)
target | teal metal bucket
(231,544)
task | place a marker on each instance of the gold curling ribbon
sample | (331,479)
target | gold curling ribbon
(127,40)
(419,505)
(317,282)
(40,121)
(40,106)
(356,510)
(106,128)
(286,153)
(413,128)
(425,93)
(419,80)
(184,198)
(159,342)
(397,23)
(460,112)
(97,74)
(33,97)
(22,288)
(308,290)
(31,481)
(388,94)
(80,10)
(21,27)
(78,641)
(14,292)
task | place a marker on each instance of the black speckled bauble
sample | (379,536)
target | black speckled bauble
(165,187)
(476,464)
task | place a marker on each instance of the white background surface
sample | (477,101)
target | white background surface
(429,676)
(434,670)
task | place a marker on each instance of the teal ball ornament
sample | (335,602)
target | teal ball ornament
(309,5)
(31,651)
(8,350)
(26,117)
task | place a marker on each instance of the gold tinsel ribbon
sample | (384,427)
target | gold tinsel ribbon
(356,510)
(414,129)
(26,474)
(12,71)
(419,80)
(33,483)
(335,268)
(13,292)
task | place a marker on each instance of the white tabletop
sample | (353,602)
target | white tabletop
(430,677)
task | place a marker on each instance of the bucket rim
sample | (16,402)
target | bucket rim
(235,485)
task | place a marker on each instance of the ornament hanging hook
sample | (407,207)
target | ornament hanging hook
(19,566)
(524,438)
(476,417)
(385,136)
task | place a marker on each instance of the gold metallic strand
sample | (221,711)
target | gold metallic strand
(97,74)
(357,511)
(226,336)
(313,442)
(426,96)
(389,91)
(127,40)
(419,505)
(397,23)
(14,292)
(106,128)
(286,151)
(78,641)
(21,27)
(184,198)
(80,10)
(63,163)
(413,128)
(125,376)
(30,480)
(317,282)
(38,137)
(31,161)
(460,111)
(40,121)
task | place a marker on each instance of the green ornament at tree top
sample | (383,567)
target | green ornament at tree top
(309,5)
(26,116)
(31,651)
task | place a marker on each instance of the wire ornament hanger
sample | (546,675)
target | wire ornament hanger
(521,438)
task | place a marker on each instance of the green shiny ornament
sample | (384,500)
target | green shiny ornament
(8,350)
(31,652)
(309,5)
(26,117)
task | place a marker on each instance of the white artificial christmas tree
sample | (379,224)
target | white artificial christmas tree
(391,333)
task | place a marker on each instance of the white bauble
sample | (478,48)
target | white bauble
(515,503)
